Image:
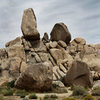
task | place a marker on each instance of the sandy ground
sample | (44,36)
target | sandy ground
(60,95)
(41,95)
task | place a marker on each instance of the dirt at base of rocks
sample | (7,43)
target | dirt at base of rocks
(40,95)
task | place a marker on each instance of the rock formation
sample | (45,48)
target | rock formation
(39,63)
(29,25)
(60,32)
(37,77)
(76,75)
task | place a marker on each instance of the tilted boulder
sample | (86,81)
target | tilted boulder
(60,32)
(36,77)
(62,44)
(29,25)
(78,74)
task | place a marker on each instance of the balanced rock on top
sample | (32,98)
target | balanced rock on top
(29,25)
(60,32)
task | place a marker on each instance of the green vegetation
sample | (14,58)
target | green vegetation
(6,92)
(11,84)
(25,98)
(96,91)
(50,97)
(21,93)
(33,96)
(88,97)
(57,89)
(69,98)
(79,91)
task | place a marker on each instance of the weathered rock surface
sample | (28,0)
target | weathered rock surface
(3,53)
(16,51)
(29,25)
(17,41)
(37,77)
(60,32)
(80,41)
(62,44)
(45,37)
(24,58)
(79,74)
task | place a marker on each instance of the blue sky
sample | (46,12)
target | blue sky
(82,17)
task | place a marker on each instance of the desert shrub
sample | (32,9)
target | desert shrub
(69,98)
(11,84)
(33,96)
(6,92)
(50,97)
(25,98)
(21,93)
(96,91)
(1,97)
(59,90)
(88,97)
(79,91)
(46,97)
(54,96)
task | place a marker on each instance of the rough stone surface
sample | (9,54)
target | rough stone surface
(23,66)
(24,57)
(37,77)
(3,53)
(45,37)
(16,51)
(56,54)
(80,41)
(79,74)
(53,44)
(58,83)
(29,25)
(17,41)
(62,44)
(14,66)
(60,32)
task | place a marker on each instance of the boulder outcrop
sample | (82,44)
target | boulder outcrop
(37,77)
(36,63)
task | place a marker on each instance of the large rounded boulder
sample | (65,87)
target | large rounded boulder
(36,77)
(79,74)
(60,32)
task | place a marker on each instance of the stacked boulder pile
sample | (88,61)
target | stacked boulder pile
(37,63)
